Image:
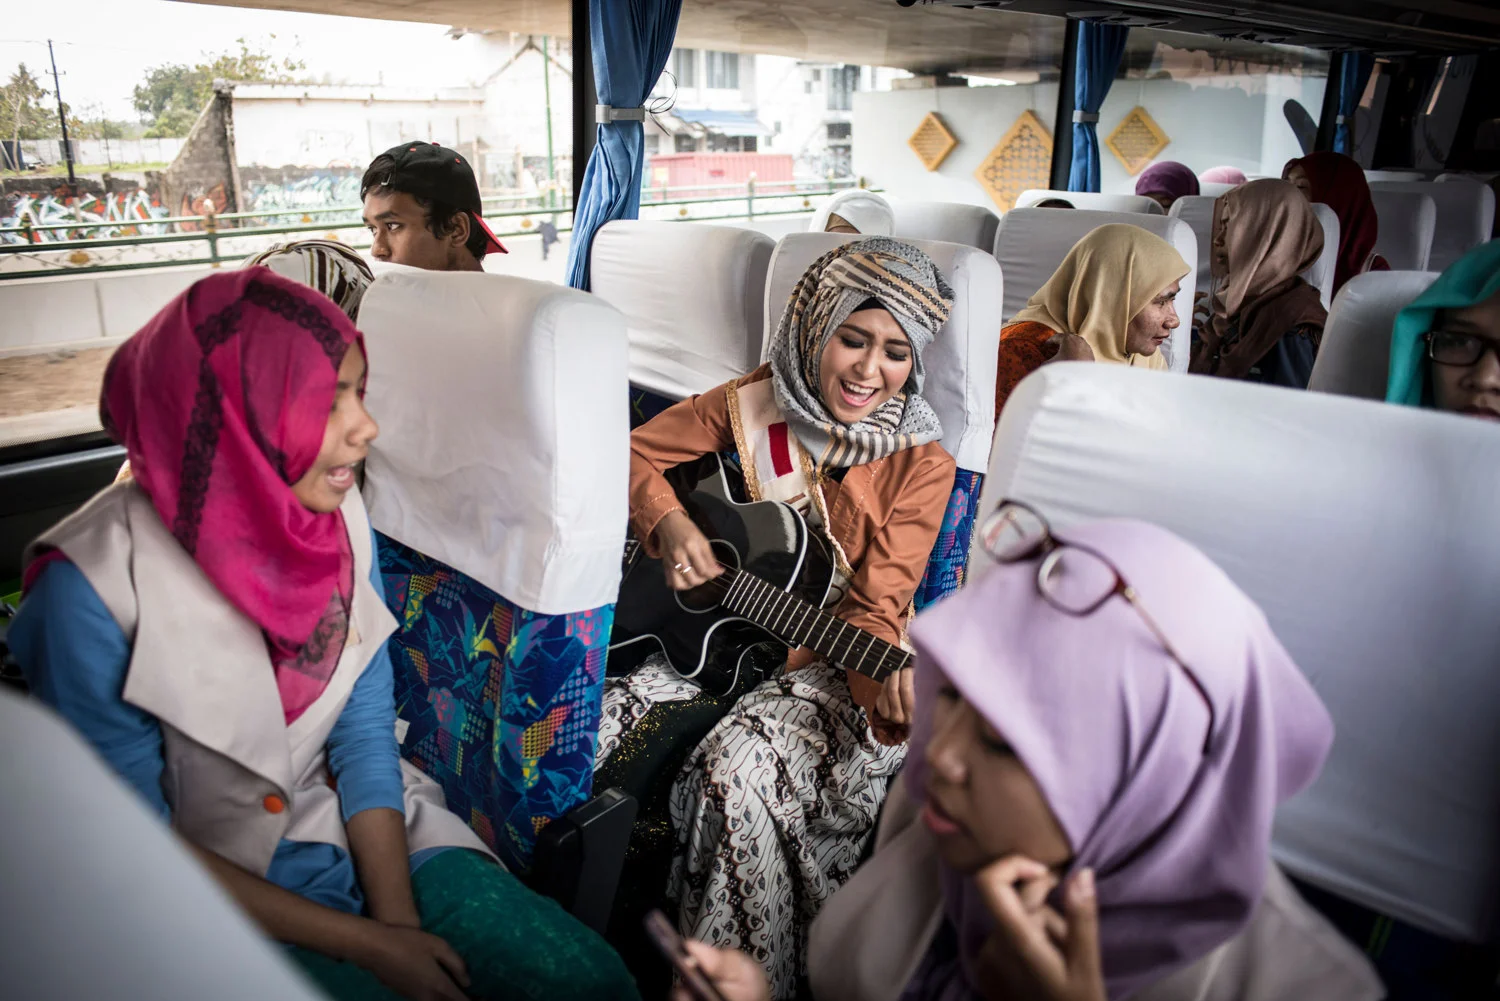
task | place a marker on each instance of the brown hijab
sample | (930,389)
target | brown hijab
(1265,234)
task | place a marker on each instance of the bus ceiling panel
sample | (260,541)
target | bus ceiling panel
(1424,25)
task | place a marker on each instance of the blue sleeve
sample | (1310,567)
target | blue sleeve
(75,658)
(362,751)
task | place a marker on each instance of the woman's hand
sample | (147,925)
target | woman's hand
(414,964)
(896,708)
(734,974)
(1071,347)
(1034,952)
(686,555)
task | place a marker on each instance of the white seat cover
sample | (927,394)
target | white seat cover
(1465,216)
(1354,358)
(1358,528)
(1198,212)
(1407,220)
(100,898)
(1372,176)
(504,446)
(1092,200)
(692,295)
(870,212)
(1212,189)
(961,360)
(1031,243)
(947,222)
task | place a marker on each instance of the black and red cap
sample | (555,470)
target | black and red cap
(438,173)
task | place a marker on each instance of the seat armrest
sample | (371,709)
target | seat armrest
(580,855)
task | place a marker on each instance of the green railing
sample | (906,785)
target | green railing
(745,199)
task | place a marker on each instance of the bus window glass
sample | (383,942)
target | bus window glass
(1206,102)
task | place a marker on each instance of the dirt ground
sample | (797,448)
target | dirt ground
(32,384)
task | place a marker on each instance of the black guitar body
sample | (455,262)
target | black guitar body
(701,639)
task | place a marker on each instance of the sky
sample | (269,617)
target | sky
(105,47)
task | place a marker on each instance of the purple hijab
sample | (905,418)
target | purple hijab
(1167,178)
(1113,730)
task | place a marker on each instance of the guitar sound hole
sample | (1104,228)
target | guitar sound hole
(707,597)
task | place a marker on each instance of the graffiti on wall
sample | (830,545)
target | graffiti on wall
(130,210)
(320,190)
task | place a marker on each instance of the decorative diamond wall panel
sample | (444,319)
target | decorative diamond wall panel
(1137,141)
(1022,160)
(932,142)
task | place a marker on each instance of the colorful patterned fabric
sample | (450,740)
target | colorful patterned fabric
(950,554)
(645,405)
(501,704)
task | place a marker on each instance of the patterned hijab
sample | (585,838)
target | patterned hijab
(1113,731)
(1107,278)
(326,265)
(1468,281)
(906,282)
(221,401)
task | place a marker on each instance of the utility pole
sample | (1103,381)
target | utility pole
(62,117)
(547,92)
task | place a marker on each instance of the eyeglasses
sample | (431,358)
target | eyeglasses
(1072,578)
(1461,350)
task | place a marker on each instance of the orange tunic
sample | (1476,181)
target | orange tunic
(885,514)
(1024,348)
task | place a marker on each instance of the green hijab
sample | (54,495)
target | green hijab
(1470,280)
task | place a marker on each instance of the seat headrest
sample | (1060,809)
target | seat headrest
(1355,355)
(1031,243)
(1092,200)
(1323,270)
(868,212)
(947,222)
(1344,520)
(1407,220)
(504,446)
(692,295)
(1211,189)
(1465,216)
(961,360)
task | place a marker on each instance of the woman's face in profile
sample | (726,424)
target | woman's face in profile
(981,802)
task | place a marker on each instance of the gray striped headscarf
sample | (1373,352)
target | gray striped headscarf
(909,285)
(326,265)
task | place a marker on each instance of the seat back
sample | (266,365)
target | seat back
(1465,216)
(1198,212)
(1346,521)
(498,485)
(1408,220)
(1092,200)
(1382,176)
(1212,189)
(1355,355)
(960,386)
(693,296)
(947,222)
(1031,243)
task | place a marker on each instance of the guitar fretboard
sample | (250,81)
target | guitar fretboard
(800,624)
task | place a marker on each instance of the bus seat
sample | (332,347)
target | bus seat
(1031,243)
(948,222)
(1465,216)
(101,899)
(1212,189)
(961,367)
(1355,355)
(1359,529)
(1383,176)
(692,295)
(1408,220)
(498,486)
(1198,212)
(1092,200)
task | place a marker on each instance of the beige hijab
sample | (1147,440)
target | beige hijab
(1107,278)
(1265,234)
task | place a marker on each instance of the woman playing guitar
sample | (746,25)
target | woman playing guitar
(833,425)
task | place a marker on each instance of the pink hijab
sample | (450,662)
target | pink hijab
(221,401)
(1112,730)
(1222,175)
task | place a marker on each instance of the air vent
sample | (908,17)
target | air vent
(1121,18)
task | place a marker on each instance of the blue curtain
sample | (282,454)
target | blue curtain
(632,40)
(1100,47)
(1353,79)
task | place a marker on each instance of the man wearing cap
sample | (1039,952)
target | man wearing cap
(421,206)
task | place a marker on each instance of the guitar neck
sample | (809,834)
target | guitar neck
(800,624)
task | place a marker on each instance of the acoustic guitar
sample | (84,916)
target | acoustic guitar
(778,575)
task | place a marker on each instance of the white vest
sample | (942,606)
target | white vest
(238,778)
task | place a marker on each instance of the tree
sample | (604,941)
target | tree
(26,111)
(174,94)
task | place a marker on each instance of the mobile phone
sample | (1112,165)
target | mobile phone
(674,948)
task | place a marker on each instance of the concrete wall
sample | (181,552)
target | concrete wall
(204,169)
(1233,120)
